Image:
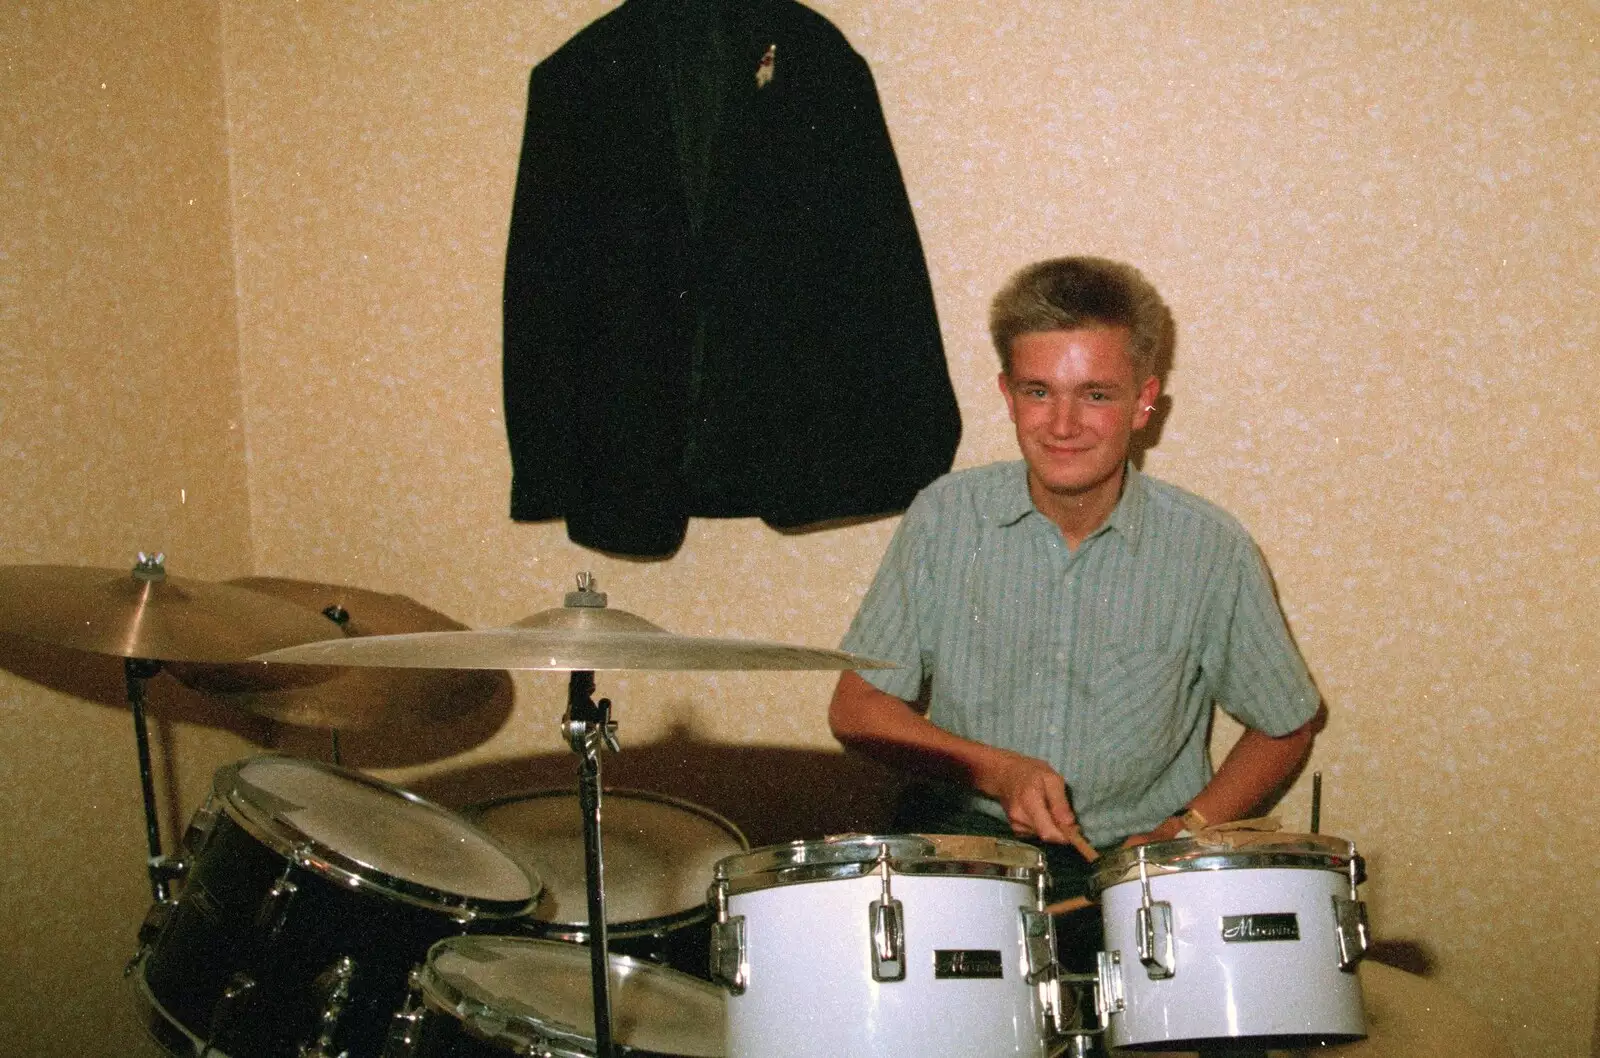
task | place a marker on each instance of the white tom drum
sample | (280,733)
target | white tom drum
(309,894)
(488,997)
(925,945)
(660,854)
(1229,937)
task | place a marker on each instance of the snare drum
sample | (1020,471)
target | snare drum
(1234,935)
(310,894)
(861,945)
(487,997)
(660,855)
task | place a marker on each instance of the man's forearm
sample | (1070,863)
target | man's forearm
(888,729)
(1256,766)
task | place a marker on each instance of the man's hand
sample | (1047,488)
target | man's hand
(1034,796)
(1166,831)
(889,729)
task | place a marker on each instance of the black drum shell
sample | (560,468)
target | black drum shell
(683,944)
(216,931)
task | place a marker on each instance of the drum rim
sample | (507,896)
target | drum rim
(160,1024)
(476,810)
(442,997)
(625,929)
(631,929)
(784,864)
(320,858)
(1187,855)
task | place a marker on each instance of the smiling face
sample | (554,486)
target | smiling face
(1076,402)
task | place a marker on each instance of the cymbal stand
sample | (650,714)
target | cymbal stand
(589,730)
(138,671)
(341,617)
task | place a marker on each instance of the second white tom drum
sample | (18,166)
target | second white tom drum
(928,945)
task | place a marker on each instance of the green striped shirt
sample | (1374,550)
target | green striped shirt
(1104,662)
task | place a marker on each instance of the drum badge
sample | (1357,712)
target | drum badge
(1238,929)
(967,964)
(766,67)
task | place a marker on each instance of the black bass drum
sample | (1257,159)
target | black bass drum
(310,893)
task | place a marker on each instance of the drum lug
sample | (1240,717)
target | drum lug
(1350,918)
(334,983)
(1109,999)
(150,930)
(1355,936)
(888,941)
(155,923)
(1152,926)
(1039,945)
(887,924)
(402,1039)
(236,992)
(198,834)
(274,909)
(730,964)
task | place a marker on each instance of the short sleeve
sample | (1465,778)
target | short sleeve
(888,625)
(1264,682)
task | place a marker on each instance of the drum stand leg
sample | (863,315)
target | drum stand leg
(589,730)
(137,671)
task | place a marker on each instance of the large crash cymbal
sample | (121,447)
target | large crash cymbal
(149,614)
(350,699)
(583,635)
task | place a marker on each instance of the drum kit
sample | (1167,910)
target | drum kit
(313,911)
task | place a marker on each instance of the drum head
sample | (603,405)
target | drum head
(518,991)
(356,828)
(1226,850)
(853,855)
(660,852)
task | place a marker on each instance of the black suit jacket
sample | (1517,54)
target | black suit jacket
(716,302)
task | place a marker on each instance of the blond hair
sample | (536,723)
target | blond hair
(1070,293)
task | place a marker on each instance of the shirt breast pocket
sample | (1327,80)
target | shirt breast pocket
(1139,714)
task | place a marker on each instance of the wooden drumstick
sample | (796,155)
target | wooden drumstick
(1076,839)
(1075,903)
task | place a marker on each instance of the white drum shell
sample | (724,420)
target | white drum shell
(811,994)
(1230,990)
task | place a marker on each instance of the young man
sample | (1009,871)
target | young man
(1070,620)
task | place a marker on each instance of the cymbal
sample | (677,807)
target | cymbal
(581,636)
(349,699)
(148,614)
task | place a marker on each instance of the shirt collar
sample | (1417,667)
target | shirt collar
(1128,515)
(1014,503)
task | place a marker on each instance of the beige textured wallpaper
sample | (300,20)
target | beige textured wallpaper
(1375,225)
(120,430)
